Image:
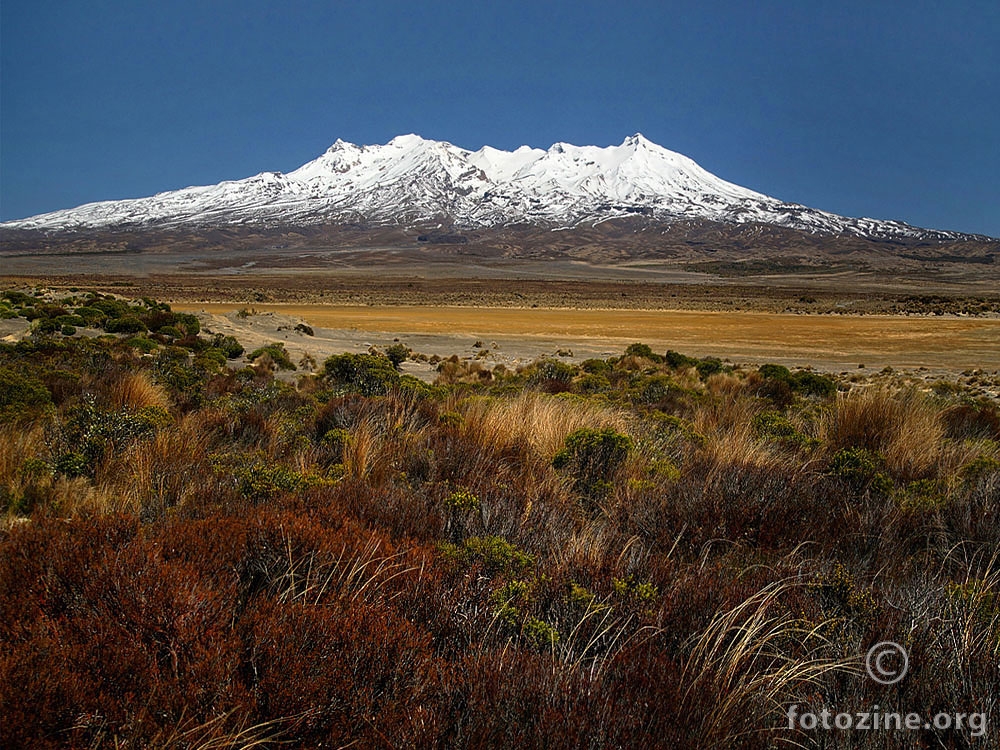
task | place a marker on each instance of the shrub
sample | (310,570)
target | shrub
(679,361)
(22,396)
(776,426)
(277,354)
(642,350)
(462,500)
(657,389)
(593,457)
(496,555)
(18,298)
(367,374)
(127,324)
(228,345)
(93,317)
(775,372)
(709,366)
(861,469)
(596,367)
(552,372)
(397,354)
(592,383)
(813,384)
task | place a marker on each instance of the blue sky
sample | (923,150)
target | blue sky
(865,108)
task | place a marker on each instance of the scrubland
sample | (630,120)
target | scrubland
(649,550)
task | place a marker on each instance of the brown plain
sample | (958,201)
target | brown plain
(831,340)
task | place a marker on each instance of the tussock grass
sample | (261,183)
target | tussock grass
(535,420)
(153,475)
(905,427)
(17,445)
(136,390)
(752,661)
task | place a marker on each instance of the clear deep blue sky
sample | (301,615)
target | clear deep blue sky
(862,107)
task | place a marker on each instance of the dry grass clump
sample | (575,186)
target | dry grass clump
(136,390)
(905,427)
(153,475)
(17,445)
(536,420)
(754,661)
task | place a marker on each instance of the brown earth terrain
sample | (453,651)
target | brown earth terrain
(512,335)
(749,294)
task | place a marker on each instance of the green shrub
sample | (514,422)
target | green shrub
(862,470)
(277,353)
(775,372)
(112,308)
(367,374)
(188,323)
(709,366)
(593,457)
(642,350)
(263,482)
(19,299)
(89,433)
(462,500)
(813,383)
(552,370)
(72,464)
(67,330)
(337,439)
(539,633)
(23,397)
(596,366)
(921,497)
(127,324)
(173,367)
(93,317)
(228,345)
(640,591)
(656,389)
(496,555)
(678,361)
(397,354)
(775,426)
(45,325)
(592,383)
(841,596)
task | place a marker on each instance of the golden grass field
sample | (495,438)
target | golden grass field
(934,342)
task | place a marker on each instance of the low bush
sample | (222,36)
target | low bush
(366,374)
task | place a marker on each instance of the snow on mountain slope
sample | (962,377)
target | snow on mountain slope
(411,180)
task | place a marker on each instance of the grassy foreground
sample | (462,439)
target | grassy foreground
(646,551)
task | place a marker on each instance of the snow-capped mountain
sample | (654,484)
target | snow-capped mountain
(413,181)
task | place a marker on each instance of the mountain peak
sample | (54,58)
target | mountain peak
(412,181)
(638,140)
(410,140)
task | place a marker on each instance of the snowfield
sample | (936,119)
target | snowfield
(412,180)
